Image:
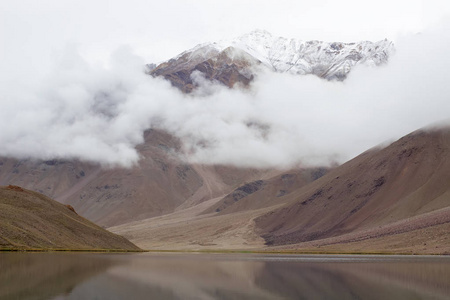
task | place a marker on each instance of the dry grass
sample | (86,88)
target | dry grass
(29,220)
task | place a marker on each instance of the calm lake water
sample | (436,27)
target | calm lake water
(60,276)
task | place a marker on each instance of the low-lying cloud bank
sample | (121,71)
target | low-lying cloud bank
(99,114)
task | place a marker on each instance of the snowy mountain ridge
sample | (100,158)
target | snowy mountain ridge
(329,60)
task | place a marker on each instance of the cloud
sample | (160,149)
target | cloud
(98,114)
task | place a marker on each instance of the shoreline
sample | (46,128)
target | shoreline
(212,251)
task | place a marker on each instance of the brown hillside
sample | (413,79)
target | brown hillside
(263,193)
(407,179)
(158,185)
(29,220)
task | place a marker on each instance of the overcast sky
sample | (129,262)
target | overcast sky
(35,31)
(59,58)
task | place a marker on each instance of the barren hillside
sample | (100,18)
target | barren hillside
(29,220)
(406,182)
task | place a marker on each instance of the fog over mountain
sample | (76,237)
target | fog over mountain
(99,114)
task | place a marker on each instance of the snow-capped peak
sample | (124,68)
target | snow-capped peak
(326,59)
(329,60)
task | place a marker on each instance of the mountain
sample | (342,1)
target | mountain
(159,185)
(392,199)
(29,220)
(396,197)
(238,60)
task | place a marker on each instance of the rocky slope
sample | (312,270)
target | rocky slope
(381,193)
(238,60)
(29,220)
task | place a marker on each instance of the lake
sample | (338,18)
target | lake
(59,276)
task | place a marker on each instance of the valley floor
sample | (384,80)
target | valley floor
(189,230)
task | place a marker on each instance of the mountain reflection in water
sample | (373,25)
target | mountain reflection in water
(221,276)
